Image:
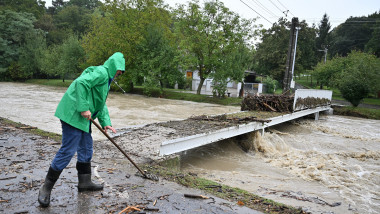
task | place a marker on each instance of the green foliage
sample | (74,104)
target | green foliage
(141,31)
(62,60)
(358,112)
(270,58)
(208,35)
(31,53)
(271,84)
(325,72)
(234,61)
(35,7)
(360,77)
(72,18)
(356,76)
(19,44)
(356,33)
(271,53)
(373,45)
(353,91)
(50,60)
(323,39)
(16,73)
(88,4)
(156,62)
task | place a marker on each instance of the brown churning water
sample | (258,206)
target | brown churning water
(335,159)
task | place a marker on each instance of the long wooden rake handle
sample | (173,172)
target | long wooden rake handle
(120,149)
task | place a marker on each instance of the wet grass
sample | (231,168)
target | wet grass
(32,130)
(176,94)
(170,171)
(50,82)
(358,112)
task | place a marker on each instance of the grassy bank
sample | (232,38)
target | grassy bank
(31,129)
(358,112)
(51,82)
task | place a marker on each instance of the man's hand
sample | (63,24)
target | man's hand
(110,128)
(86,114)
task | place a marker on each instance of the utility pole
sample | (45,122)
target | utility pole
(290,59)
(325,50)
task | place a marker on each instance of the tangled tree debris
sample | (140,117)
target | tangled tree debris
(281,103)
(224,118)
(275,103)
(311,102)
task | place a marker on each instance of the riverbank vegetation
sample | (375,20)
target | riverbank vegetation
(161,44)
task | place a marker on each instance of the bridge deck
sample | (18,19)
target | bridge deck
(190,142)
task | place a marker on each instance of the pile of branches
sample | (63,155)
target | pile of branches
(224,118)
(311,102)
(277,103)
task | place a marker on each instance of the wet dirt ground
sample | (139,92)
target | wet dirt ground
(25,158)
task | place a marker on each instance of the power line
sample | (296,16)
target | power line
(285,8)
(258,3)
(256,11)
(276,6)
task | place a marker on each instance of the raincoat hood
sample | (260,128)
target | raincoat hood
(114,63)
(89,92)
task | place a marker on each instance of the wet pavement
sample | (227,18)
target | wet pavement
(25,158)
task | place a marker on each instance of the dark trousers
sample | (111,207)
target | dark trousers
(73,140)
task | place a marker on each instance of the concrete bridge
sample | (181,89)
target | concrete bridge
(300,110)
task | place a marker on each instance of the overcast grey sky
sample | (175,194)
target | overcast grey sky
(309,10)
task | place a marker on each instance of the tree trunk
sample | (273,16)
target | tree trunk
(200,85)
(311,80)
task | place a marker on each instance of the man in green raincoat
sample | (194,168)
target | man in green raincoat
(84,99)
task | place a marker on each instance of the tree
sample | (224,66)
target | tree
(271,54)
(354,34)
(72,18)
(232,62)
(360,77)
(126,23)
(325,73)
(206,32)
(356,76)
(57,6)
(373,45)
(323,36)
(16,32)
(271,84)
(88,4)
(64,59)
(35,7)
(31,53)
(157,61)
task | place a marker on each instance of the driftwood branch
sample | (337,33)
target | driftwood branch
(195,196)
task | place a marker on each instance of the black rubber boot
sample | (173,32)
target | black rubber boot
(84,178)
(45,191)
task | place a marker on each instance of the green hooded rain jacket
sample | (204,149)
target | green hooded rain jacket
(89,92)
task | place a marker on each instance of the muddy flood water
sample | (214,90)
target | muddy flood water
(35,105)
(326,166)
